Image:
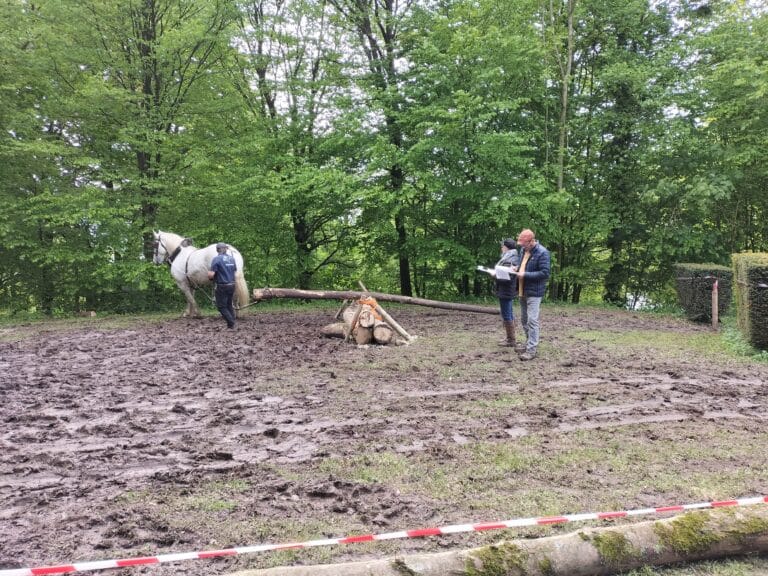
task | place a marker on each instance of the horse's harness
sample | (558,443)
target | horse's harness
(169,258)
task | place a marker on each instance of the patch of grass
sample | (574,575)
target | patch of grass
(531,476)
(728,342)
(737,345)
(696,465)
(134,496)
(667,343)
(369,468)
(494,406)
(208,504)
(740,567)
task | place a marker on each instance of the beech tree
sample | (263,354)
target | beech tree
(376,27)
(288,71)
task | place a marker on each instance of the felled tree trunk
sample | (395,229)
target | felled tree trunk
(695,536)
(269,293)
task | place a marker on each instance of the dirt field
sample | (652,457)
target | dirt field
(145,438)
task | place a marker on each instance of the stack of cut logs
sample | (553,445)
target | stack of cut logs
(365,322)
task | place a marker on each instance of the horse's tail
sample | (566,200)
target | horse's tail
(241,291)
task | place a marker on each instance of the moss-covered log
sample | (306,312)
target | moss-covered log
(700,535)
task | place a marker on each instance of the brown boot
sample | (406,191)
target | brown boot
(509,329)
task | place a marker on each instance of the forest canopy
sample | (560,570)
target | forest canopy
(395,143)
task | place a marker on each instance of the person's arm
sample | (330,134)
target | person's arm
(542,261)
(212,271)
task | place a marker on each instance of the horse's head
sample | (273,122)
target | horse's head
(161,250)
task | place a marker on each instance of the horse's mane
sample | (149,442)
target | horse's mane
(173,241)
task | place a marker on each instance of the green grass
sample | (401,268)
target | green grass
(492,407)
(368,468)
(666,343)
(737,567)
(736,344)
(727,342)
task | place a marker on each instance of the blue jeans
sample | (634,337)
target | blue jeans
(507,312)
(529,318)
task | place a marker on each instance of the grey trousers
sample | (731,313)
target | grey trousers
(530,307)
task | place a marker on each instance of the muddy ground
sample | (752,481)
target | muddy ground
(154,437)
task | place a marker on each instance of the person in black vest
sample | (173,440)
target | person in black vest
(222,272)
(506,288)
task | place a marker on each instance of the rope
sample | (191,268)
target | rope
(368,301)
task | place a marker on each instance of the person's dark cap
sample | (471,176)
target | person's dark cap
(509,243)
(221,246)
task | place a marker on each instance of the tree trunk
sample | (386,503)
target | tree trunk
(269,293)
(700,535)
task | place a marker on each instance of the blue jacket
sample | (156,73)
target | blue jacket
(225,267)
(536,272)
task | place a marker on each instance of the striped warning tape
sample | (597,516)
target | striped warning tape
(419,533)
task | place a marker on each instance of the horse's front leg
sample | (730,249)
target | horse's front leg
(192,311)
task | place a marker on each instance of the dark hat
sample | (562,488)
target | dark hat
(221,246)
(509,243)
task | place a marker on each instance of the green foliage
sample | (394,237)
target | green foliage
(399,158)
(695,283)
(751,273)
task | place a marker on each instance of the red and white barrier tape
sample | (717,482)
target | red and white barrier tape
(455,529)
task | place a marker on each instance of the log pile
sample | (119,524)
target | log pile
(363,321)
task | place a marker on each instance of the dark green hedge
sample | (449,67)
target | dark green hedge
(694,289)
(751,273)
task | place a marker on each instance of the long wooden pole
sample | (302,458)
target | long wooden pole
(260,294)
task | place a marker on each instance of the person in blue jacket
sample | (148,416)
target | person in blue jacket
(222,272)
(532,277)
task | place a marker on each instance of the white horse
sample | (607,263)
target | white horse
(190,265)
